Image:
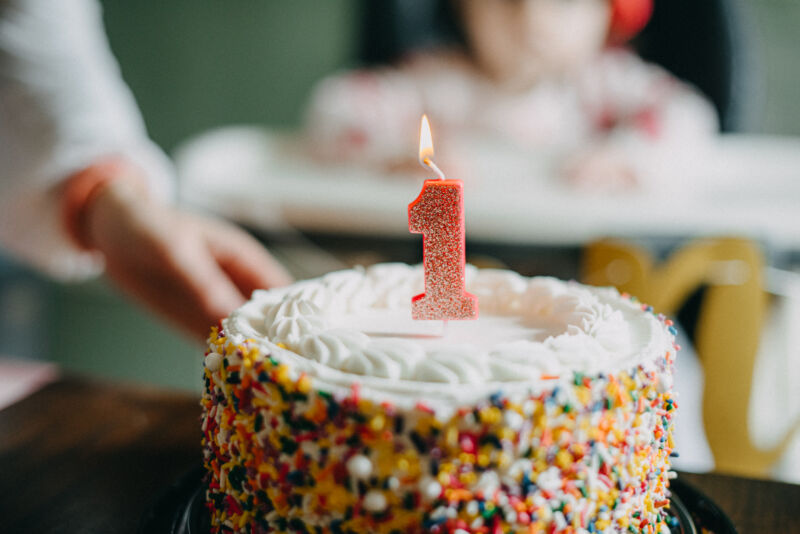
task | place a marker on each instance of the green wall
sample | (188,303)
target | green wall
(778,48)
(95,331)
(196,64)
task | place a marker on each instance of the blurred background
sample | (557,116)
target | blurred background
(195,66)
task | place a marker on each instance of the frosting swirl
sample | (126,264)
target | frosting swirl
(355,326)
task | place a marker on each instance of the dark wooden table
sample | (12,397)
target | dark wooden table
(85,457)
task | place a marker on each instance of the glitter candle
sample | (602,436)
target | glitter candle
(438,214)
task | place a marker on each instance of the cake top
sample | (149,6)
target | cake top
(355,327)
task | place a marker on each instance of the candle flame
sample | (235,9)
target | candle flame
(426,147)
(425,141)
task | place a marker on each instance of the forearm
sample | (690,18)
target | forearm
(63,108)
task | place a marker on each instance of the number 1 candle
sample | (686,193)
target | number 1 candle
(438,214)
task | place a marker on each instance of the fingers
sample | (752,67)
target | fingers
(206,285)
(188,288)
(191,270)
(245,260)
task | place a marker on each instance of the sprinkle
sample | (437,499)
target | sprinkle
(421,406)
(377,423)
(359,466)
(304,384)
(213,361)
(375,501)
(429,488)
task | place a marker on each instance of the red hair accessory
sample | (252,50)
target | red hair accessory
(628,17)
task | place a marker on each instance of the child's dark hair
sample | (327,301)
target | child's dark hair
(391,29)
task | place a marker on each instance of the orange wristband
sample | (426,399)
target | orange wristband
(80,189)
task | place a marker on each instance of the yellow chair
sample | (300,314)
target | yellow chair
(727,334)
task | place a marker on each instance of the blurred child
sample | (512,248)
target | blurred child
(544,75)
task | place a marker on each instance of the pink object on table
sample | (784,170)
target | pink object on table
(438,214)
(20,378)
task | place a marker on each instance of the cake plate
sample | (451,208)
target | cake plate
(181,510)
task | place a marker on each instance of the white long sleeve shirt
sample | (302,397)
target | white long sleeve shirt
(63,107)
(372,116)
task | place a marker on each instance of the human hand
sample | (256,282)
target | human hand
(190,269)
(601,168)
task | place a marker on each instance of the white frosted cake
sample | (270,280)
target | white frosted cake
(328,409)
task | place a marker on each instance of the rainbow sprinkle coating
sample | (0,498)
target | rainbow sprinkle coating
(590,454)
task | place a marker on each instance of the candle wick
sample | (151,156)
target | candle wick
(431,165)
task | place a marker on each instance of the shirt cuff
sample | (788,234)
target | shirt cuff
(31,223)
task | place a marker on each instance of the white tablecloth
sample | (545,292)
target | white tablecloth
(748,186)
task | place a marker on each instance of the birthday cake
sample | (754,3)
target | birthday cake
(327,409)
